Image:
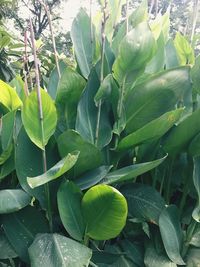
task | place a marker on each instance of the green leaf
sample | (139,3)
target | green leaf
(194,147)
(62,252)
(184,50)
(54,79)
(154,259)
(196,181)
(8,97)
(179,138)
(139,15)
(105,211)
(87,115)
(56,171)
(193,257)
(69,205)
(13,200)
(89,158)
(28,162)
(153,97)
(84,48)
(171,57)
(152,130)
(18,84)
(144,202)
(21,228)
(195,240)
(92,177)
(7,167)
(69,91)
(130,172)
(195,75)
(172,235)
(6,250)
(7,128)
(138,46)
(31,118)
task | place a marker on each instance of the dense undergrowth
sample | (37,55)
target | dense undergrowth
(101,167)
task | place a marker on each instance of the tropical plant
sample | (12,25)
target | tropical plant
(102,168)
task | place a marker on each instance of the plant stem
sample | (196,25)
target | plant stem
(127,15)
(169,178)
(52,35)
(194,22)
(47,193)
(25,64)
(102,68)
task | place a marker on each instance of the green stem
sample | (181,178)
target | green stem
(190,232)
(169,178)
(47,192)
(86,240)
(101,71)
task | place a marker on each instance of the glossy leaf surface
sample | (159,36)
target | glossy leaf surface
(31,118)
(105,211)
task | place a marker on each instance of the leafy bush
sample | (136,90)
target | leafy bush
(103,169)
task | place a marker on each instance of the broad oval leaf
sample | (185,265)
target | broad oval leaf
(179,138)
(56,171)
(144,202)
(50,250)
(152,130)
(21,228)
(13,200)
(172,235)
(87,115)
(6,250)
(194,147)
(8,97)
(105,212)
(135,50)
(130,172)
(69,198)
(90,156)
(32,122)
(92,177)
(7,128)
(153,97)
(84,43)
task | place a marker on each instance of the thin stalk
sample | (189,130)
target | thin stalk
(103,38)
(127,15)
(47,193)
(91,27)
(25,59)
(194,22)
(52,36)
(169,179)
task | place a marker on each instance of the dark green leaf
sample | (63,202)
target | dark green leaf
(7,127)
(6,250)
(89,158)
(155,96)
(130,172)
(179,138)
(105,211)
(69,205)
(13,200)
(144,202)
(137,46)
(51,250)
(196,181)
(87,115)
(172,235)
(92,177)
(195,75)
(154,259)
(152,130)
(84,48)
(21,228)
